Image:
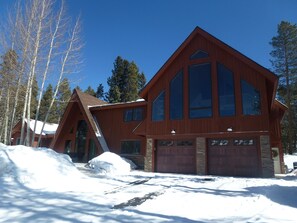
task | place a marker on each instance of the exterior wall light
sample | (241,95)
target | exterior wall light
(172,132)
(230,129)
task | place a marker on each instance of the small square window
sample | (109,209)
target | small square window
(130,147)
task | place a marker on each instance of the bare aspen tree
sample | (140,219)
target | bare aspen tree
(19,72)
(44,8)
(70,60)
(29,19)
(58,28)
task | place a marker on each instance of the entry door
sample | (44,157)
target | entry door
(177,156)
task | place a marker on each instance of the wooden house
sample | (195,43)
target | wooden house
(47,134)
(208,110)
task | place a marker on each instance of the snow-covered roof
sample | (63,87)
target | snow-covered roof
(49,128)
(117,103)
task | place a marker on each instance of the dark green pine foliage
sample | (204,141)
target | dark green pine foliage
(44,105)
(125,81)
(141,81)
(115,81)
(100,92)
(63,97)
(90,91)
(284,62)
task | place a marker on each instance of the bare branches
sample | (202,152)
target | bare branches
(46,47)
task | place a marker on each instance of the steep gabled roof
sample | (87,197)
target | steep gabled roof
(84,101)
(271,78)
(49,128)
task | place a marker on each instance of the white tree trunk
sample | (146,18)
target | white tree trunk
(71,49)
(23,65)
(49,57)
(6,117)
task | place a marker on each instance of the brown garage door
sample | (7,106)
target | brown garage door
(176,157)
(233,157)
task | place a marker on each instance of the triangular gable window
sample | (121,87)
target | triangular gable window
(199,54)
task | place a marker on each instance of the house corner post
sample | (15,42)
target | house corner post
(266,159)
(148,159)
(201,155)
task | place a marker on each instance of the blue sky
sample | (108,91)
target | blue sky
(148,32)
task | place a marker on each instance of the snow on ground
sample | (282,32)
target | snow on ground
(289,160)
(39,185)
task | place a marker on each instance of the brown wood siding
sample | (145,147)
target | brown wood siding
(215,124)
(115,129)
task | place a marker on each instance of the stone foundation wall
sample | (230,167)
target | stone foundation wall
(201,155)
(267,161)
(148,159)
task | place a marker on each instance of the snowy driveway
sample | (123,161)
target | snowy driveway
(147,197)
(49,188)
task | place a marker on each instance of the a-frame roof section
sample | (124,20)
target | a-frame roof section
(271,77)
(84,102)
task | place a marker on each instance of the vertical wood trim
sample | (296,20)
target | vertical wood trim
(237,89)
(186,98)
(215,97)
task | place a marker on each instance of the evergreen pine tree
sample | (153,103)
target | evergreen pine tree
(90,91)
(125,81)
(63,97)
(45,101)
(284,62)
(100,92)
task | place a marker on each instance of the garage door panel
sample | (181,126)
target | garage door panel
(176,159)
(233,159)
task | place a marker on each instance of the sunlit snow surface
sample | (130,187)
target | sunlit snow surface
(40,185)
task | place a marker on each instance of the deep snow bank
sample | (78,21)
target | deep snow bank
(110,163)
(36,167)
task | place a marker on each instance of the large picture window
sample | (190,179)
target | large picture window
(130,147)
(158,107)
(200,102)
(251,99)
(226,91)
(176,97)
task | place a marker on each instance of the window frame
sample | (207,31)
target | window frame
(199,54)
(161,94)
(218,89)
(245,110)
(135,151)
(172,99)
(133,113)
(210,91)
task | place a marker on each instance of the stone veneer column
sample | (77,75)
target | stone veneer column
(267,161)
(148,159)
(201,155)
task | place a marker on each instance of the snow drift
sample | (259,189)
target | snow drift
(111,163)
(36,167)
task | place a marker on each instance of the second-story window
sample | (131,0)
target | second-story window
(251,99)
(134,114)
(226,91)
(200,87)
(176,97)
(158,107)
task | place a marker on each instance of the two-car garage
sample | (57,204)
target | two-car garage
(225,157)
